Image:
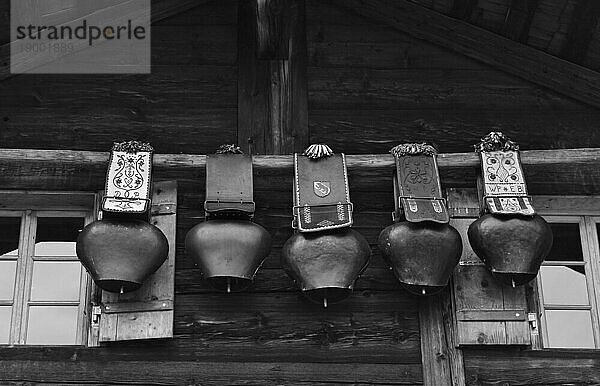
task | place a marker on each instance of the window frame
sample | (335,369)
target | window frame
(30,206)
(587,210)
(588,252)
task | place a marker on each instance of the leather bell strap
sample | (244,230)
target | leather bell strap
(128,182)
(322,195)
(504,187)
(417,190)
(229,186)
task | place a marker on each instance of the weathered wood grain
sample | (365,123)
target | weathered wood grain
(547,367)
(547,171)
(370,89)
(452,130)
(581,30)
(209,373)
(530,64)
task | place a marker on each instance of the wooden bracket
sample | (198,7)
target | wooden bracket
(163,208)
(119,308)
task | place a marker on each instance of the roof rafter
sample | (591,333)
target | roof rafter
(526,62)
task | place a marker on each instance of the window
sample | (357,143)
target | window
(44,290)
(566,284)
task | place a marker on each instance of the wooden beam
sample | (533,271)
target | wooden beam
(273,94)
(523,61)
(190,162)
(519,18)
(273,29)
(581,30)
(161,9)
(441,359)
(567,171)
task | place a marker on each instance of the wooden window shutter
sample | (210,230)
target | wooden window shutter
(148,312)
(486,312)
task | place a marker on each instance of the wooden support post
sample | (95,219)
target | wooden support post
(442,360)
(581,30)
(273,95)
(518,21)
(273,29)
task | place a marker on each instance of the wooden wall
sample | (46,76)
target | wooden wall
(371,87)
(188,104)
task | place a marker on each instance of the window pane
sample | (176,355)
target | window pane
(55,280)
(52,325)
(564,285)
(56,236)
(10,229)
(5,312)
(8,272)
(569,329)
(567,243)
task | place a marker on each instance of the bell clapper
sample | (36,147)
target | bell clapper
(324,302)
(423,291)
(228,285)
(121,289)
(513,283)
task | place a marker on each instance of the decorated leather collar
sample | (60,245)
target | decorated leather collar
(321,192)
(504,190)
(229,184)
(417,189)
(129,179)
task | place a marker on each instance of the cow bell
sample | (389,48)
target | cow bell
(120,254)
(326,265)
(228,247)
(122,249)
(422,255)
(324,256)
(228,252)
(510,238)
(421,247)
(512,247)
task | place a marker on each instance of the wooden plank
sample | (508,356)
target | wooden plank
(530,64)
(375,90)
(442,362)
(357,131)
(46,200)
(134,322)
(581,30)
(209,373)
(547,367)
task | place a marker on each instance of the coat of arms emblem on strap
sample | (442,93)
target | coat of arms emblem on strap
(504,187)
(418,192)
(321,199)
(128,179)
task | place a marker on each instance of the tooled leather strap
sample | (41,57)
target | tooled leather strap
(229,186)
(129,179)
(321,193)
(417,188)
(504,187)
